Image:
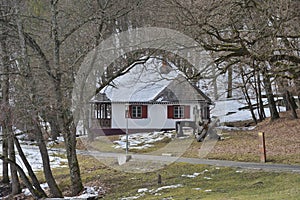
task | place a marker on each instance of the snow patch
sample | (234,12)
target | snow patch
(198,189)
(227,128)
(132,197)
(155,192)
(194,175)
(166,187)
(141,140)
(33,156)
(142,190)
(26,191)
(230,110)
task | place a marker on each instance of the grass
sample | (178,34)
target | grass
(105,144)
(212,183)
(225,183)
(237,146)
(282,142)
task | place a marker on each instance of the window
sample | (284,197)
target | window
(138,111)
(102,111)
(178,112)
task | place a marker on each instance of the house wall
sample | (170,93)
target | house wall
(157,117)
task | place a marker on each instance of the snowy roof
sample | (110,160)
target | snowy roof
(143,83)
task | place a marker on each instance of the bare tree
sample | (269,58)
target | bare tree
(4,61)
(7,118)
(238,30)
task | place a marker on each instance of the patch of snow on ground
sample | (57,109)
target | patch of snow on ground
(198,189)
(142,190)
(131,198)
(228,111)
(26,191)
(58,140)
(33,156)
(194,175)
(87,193)
(227,128)
(141,140)
(166,187)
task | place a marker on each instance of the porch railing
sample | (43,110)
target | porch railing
(101,123)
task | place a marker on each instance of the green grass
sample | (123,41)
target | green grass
(225,183)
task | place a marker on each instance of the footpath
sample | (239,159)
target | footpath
(221,163)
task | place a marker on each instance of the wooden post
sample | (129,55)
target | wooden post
(262,147)
(159,179)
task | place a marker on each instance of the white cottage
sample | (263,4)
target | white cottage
(151,96)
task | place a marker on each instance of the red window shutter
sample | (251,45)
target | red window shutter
(170,112)
(186,112)
(144,111)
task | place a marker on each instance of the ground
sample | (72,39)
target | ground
(188,181)
(282,142)
(191,181)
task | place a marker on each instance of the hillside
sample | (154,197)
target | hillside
(282,142)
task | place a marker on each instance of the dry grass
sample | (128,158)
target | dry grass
(282,142)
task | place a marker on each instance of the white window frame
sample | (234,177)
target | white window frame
(136,111)
(178,112)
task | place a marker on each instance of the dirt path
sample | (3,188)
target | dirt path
(222,163)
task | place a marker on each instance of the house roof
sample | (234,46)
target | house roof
(153,81)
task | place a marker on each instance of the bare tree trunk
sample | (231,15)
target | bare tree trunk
(5,177)
(248,100)
(268,88)
(257,95)
(229,86)
(50,116)
(215,84)
(69,133)
(247,97)
(76,182)
(9,132)
(55,131)
(40,192)
(24,62)
(4,63)
(262,114)
(54,190)
(7,123)
(292,103)
(15,186)
(64,119)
